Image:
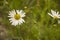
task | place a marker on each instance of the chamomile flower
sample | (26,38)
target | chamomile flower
(16,17)
(54,14)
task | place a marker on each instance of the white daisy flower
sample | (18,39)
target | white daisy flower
(16,17)
(54,14)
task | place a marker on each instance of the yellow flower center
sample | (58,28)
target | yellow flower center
(17,16)
(55,17)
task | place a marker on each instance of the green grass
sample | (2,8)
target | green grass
(38,24)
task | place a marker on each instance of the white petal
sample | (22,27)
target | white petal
(14,23)
(23,15)
(22,20)
(22,12)
(58,17)
(12,12)
(50,14)
(53,12)
(18,11)
(57,13)
(11,16)
(11,19)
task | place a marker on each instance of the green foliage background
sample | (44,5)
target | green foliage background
(38,24)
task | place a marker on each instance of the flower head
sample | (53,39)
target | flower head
(54,14)
(16,17)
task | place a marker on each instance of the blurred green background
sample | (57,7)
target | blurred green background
(38,24)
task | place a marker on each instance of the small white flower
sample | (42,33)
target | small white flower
(54,14)
(16,17)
